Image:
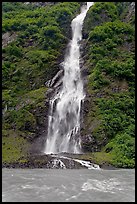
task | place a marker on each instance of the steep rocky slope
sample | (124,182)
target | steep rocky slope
(109,56)
(35,36)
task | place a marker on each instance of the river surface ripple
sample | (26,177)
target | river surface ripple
(68,185)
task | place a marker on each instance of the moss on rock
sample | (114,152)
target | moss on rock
(29,61)
(14,146)
(110,58)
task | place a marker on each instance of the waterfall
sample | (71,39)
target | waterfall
(64,117)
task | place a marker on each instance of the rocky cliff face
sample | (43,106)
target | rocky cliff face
(35,35)
(106,51)
(39,4)
(32,53)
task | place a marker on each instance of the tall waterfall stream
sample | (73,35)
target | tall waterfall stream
(65,106)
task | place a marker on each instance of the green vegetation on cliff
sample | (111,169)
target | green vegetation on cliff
(34,37)
(109,32)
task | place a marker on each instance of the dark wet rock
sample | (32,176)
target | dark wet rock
(56,78)
(89,143)
(64,163)
(86,105)
(49,93)
(107,166)
(45,161)
(130,12)
(59,83)
(47,83)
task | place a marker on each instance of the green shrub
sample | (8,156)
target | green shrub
(110,57)
(98,14)
(118,113)
(123,150)
(40,55)
(21,120)
(111,30)
(14,50)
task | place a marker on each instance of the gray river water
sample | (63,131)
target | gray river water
(68,185)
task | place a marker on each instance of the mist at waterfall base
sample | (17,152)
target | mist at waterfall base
(65,106)
(58,185)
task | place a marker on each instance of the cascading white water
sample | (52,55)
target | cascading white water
(64,118)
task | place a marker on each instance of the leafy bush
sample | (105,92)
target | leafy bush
(116,68)
(118,113)
(38,56)
(13,50)
(98,14)
(111,30)
(31,59)
(40,40)
(21,120)
(108,50)
(110,54)
(123,150)
(51,37)
(98,80)
(7,72)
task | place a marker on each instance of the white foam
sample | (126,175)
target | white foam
(88,164)
(104,185)
(58,163)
